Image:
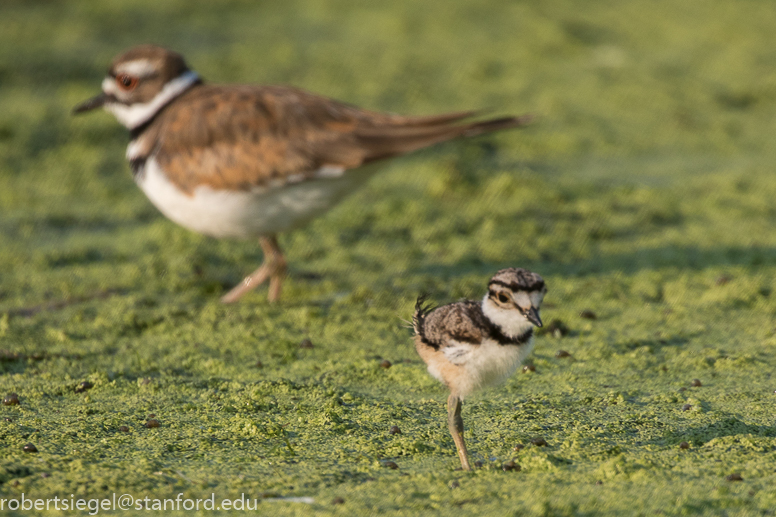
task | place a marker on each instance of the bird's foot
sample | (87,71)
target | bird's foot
(273,269)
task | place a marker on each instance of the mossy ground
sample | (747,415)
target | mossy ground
(644,192)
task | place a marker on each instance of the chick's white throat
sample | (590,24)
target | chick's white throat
(511,322)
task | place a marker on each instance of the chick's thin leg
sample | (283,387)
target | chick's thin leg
(455,424)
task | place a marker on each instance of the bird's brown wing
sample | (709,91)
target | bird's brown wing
(461,322)
(243,137)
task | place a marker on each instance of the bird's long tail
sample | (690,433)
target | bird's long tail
(413,133)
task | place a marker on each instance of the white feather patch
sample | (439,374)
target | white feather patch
(458,353)
(522,300)
(239,213)
(330,171)
(138,68)
(133,115)
(109,86)
(134,149)
(486,364)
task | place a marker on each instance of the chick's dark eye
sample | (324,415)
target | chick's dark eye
(503,298)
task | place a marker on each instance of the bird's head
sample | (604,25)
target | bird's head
(514,299)
(140,82)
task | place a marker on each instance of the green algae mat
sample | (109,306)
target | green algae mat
(643,193)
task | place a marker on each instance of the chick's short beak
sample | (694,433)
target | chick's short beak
(93,103)
(533,316)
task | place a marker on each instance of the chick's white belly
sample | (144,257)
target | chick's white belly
(224,213)
(489,363)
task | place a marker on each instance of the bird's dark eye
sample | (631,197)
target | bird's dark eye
(503,298)
(126,82)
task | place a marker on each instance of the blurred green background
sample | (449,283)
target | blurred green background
(643,192)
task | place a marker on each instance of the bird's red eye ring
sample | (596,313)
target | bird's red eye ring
(126,82)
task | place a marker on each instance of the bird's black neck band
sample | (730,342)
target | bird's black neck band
(497,335)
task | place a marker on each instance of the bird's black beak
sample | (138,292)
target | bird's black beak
(93,103)
(532,315)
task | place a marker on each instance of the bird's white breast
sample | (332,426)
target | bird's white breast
(262,211)
(486,364)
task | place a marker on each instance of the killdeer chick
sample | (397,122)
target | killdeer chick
(470,345)
(253,161)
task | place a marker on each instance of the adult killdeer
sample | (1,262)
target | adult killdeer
(253,161)
(469,345)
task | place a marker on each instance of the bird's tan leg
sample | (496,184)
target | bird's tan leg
(455,423)
(273,269)
(271,248)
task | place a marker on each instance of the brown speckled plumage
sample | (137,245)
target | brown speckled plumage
(460,321)
(517,279)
